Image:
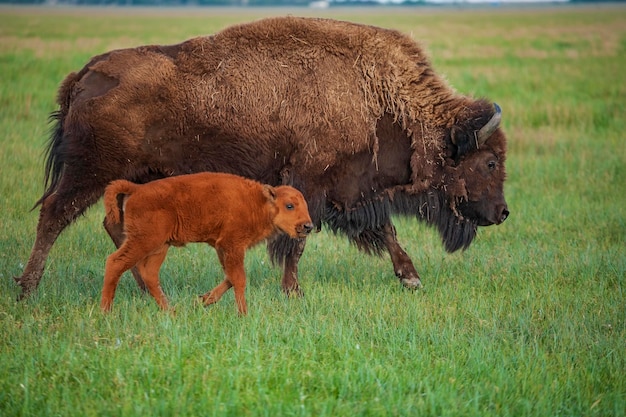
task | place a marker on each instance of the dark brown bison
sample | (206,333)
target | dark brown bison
(226,211)
(351,115)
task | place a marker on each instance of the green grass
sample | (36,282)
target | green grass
(529,321)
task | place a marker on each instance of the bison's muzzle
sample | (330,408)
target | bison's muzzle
(504,214)
(483,214)
(501,214)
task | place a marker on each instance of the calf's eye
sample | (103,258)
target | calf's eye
(289,206)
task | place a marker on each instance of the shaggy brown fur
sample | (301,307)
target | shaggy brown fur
(228,212)
(353,116)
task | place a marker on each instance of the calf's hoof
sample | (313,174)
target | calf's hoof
(207,300)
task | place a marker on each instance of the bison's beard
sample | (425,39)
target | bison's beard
(364,224)
(455,233)
(431,207)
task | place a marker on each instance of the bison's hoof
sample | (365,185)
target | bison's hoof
(293,292)
(26,289)
(412,283)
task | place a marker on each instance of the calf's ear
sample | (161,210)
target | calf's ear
(269,192)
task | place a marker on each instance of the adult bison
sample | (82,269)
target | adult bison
(353,116)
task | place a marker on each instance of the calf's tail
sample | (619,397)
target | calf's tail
(113,205)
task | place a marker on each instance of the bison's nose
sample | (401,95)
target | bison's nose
(504,215)
(307,228)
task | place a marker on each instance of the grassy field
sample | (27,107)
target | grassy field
(530,321)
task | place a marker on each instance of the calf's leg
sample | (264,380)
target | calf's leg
(232,260)
(402,264)
(116,232)
(216,293)
(131,253)
(149,267)
(115,266)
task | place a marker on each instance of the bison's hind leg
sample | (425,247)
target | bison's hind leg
(58,209)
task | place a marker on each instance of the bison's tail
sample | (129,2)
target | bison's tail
(54,157)
(113,205)
(55,150)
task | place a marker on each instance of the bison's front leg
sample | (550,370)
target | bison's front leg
(287,252)
(289,283)
(402,264)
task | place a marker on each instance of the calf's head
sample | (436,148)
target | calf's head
(291,211)
(479,153)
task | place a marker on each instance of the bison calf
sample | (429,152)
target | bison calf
(228,212)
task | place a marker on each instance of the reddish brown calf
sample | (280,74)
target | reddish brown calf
(228,212)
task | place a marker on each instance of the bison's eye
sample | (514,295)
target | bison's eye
(491,165)
(289,206)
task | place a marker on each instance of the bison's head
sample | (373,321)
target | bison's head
(478,149)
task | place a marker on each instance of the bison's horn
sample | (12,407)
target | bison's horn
(487,130)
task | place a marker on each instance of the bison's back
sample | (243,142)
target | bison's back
(289,91)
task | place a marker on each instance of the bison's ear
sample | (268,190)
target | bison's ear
(465,141)
(458,136)
(269,192)
(461,140)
